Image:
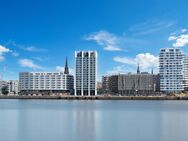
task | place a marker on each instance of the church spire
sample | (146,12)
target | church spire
(66,71)
(152,71)
(138,69)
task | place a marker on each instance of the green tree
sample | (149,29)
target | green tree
(4,90)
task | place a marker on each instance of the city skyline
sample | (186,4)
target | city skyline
(34,38)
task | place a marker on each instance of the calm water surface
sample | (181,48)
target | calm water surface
(61,120)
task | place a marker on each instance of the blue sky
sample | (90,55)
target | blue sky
(38,35)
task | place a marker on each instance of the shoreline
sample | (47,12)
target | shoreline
(96,97)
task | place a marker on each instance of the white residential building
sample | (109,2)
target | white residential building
(45,81)
(185,71)
(171,70)
(86,73)
(13,86)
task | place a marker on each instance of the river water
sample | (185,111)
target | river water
(79,120)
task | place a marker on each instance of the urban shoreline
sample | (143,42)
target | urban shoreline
(97,97)
(172,79)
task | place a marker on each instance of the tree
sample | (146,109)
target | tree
(4,90)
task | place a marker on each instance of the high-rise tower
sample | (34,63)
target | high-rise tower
(171,70)
(86,73)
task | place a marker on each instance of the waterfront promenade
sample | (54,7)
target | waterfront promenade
(68,97)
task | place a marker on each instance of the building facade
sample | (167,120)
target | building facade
(138,84)
(171,70)
(105,85)
(141,83)
(185,72)
(46,82)
(86,73)
(113,84)
(13,86)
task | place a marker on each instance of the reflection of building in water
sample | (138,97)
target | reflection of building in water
(174,123)
(44,121)
(85,125)
(54,121)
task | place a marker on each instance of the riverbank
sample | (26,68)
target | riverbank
(99,97)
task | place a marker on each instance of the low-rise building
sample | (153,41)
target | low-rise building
(105,85)
(132,84)
(138,84)
(46,82)
(13,86)
(113,84)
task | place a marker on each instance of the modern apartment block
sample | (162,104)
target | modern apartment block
(185,72)
(13,86)
(86,73)
(46,82)
(171,70)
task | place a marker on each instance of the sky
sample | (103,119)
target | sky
(38,35)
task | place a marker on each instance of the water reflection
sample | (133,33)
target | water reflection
(174,118)
(93,120)
(84,125)
(55,123)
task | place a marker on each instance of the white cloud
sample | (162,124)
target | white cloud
(33,49)
(107,40)
(145,61)
(151,26)
(178,32)
(125,60)
(181,41)
(61,69)
(180,38)
(27,48)
(15,54)
(171,38)
(41,59)
(111,42)
(118,69)
(2,58)
(3,50)
(29,64)
(183,30)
